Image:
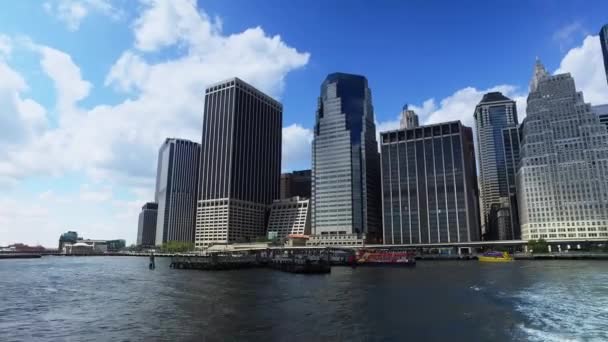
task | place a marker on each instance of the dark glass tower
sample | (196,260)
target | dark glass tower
(176,190)
(146,229)
(429,188)
(493,115)
(604,42)
(240,165)
(345,163)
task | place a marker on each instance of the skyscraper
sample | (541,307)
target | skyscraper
(296,183)
(604,43)
(146,228)
(429,188)
(409,118)
(345,201)
(493,115)
(602,113)
(562,181)
(176,190)
(240,162)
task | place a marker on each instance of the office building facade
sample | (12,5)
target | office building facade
(296,183)
(562,181)
(176,190)
(289,216)
(345,198)
(240,165)
(494,116)
(146,228)
(429,187)
(604,44)
(601,111)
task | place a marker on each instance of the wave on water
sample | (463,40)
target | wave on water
(556,312)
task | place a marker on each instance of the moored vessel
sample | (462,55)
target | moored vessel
(495,256)
(384,258)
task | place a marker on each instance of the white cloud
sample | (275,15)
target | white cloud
(569,34)
(585,64)
(458,106)
(117,145)
(296,147)
(6,46)
(73,12)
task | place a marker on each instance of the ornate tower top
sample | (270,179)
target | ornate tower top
(539,73)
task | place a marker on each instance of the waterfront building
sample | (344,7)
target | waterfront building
(296,183)
(67,237)
(562,181)
(409,118)
(497,146)
(146,228)
(176,190)
(429,187)
(289,216)
(601,111)
(240,165)
(604,44)
(345,200)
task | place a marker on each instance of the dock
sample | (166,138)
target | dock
(19,256)
(306,263)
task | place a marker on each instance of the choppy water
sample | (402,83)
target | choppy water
(119,299)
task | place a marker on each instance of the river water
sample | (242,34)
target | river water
(119,299)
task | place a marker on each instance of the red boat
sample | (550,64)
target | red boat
(384,258)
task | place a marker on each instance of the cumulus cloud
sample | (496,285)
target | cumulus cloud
(296,147)
(585,63)
(73,12)
(569,34)
(116,145)
(458,106)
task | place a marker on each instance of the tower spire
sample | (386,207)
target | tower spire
(539,73)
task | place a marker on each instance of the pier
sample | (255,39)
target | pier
(308,261)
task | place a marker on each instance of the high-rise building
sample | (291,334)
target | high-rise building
(511,138)
(562,181)
(289,216)
(604,43)
(345,202)
(296,183)
(429,187)
(146,228)
(176,190)
(240,162)
(602,113)
(493,115)
(409,118)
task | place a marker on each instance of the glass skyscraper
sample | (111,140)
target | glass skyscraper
(240,165)
(146,227)
(345,203)
(562,181)
(429,188)
(176,190)
(493,115)
(604,43)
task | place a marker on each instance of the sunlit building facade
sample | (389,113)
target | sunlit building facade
(562,181)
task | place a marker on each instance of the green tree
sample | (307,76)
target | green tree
(538,246)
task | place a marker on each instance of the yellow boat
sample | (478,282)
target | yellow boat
(495,257)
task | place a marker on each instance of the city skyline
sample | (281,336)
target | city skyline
(84,130)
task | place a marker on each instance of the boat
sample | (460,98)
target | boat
(384,258)
(495,256)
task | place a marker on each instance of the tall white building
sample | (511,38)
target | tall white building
(562,181)
(289,216)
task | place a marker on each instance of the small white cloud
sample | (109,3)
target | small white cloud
(6,46)
(73,12)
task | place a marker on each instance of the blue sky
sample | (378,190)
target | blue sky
(90,88)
